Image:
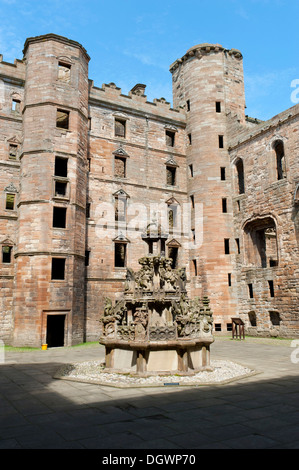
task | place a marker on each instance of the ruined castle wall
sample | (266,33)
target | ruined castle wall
(208,83)
(40,290)
(272,269)
(144,187)
(11,101)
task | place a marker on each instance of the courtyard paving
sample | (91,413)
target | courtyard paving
(258,412)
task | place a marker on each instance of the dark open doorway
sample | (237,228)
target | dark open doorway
(55,330)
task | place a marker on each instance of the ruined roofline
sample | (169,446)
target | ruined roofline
(54,37)
(111,95)
(264,126)
(203,49)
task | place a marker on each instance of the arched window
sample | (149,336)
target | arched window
(240,176)
(261,247)
(280,159)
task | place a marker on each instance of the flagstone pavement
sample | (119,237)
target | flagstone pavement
(257,412)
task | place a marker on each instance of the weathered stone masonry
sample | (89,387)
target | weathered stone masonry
(78,163)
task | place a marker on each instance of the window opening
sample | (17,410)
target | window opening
(173,255)
(120,167)
(60,189)
(218,107)
(250,291)
(62,119)
(6,254)
(120,128)
(58,268)
(221,141)
(13,149)
(170,175)
(61,167)
(170,137)
(252,318)
(240,176)
(64,72)
(10,202)
(194,262)
(226,246)
(280,160)
(120,252)
(16,105)
(271,288)
(222,173)
(275,318)
(224,205)
(59,217)
(191,170)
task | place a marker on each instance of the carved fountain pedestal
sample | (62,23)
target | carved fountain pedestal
(155,328)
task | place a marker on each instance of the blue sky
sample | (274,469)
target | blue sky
(135,42)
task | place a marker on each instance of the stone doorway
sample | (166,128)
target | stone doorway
(55,331)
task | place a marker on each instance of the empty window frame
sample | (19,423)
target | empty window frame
(260,243)
(252,319)
(191,170)
(237,240)
(250,291)
(64,72)
(192,201)
(87,257)
(280,160)
(120,254)
(194,266)
(275,318)
(218,106)
(120,207)
(189,139)
(226,246)
(171,219)
(221,141)
(16,105)
(170,138)
(229,279)
(88,206)
(171,175)
(218,327)
(271,288)
(173,254)
(6,254)
(59,217)
(120,167)
(13,150)
(58,269)
(62,119)
(224,205)
(223,173)
(61,189)
(61,165)
(239,166)
(119,127)
(10,202)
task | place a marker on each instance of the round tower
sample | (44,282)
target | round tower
(208,83)
(49,288)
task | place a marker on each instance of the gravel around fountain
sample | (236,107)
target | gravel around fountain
(94,372)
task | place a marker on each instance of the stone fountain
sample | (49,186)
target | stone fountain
(154,328)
